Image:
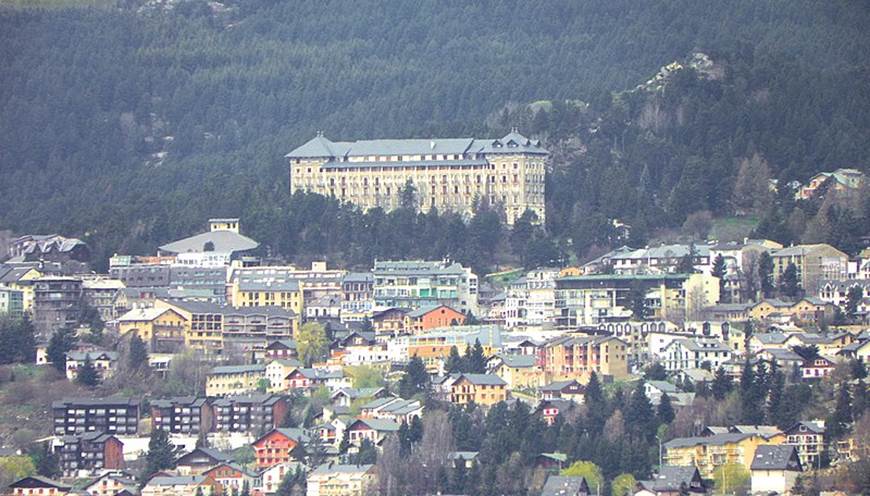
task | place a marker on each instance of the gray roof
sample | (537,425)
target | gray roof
(406,163)
(224,241)
(485,379)
(246,284)
(385,267)
(462,455)
(332,468)
(714,440)
(358,277)
(558,385)
(564,485)
(80,356)
(670,478)
(518,361)
(776,457)
(238,369)
(178,480)
(190,401)
(381,425)
(664,386)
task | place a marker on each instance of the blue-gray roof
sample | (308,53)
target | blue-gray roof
(222,242)
(485,379)
(564,485)
(776,457)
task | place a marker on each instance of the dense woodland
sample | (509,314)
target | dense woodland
(130,124)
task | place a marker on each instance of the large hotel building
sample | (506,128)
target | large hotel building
(449,174)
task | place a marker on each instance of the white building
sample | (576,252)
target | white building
(531,299)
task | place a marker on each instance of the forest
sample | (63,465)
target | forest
(129,123)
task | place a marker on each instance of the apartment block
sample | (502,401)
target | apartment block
(413,284)
(108,415)
(182,415)
(577,357)
(253,413)
(90,452)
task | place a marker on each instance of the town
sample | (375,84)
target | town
(209,368)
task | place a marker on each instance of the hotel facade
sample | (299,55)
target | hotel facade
(448,174)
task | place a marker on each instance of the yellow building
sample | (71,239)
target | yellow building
(277,370)
(519,371)
(814,263)
(710,452)
(234,379)
(448,174)
(578,356)
(810,309)
(162,329)
(481,389)
(341,480)
(250,289)
(21,279)
(433,347)
(205,330)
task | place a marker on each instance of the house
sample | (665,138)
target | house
(278,369)
(784,359)
(816,368)
(341,480)
(709,452)
(808,437)
(281,349)
(859,350)
(346,396)
(390,408)
(57,303)
(674,480)
(182,415)
(103,361)
(775,469)
(231,476)
(252,413)
(553,462)
(36,485)
(568,390)
(577,357)
(200,460)
(518,371)
(280,445)
(181,485)
(373,429)
(270,479)
(655,389)
(431,317)
(113,415)
(234,379)
(162,329)
(466,458)
(840,180)
(390,321)
(806,309)
(356,296)
(89,452)
(481,389)
(550,409)
(696,353)
(111,484)
(312,378)
(566,485)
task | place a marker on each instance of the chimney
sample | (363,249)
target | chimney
(432,144)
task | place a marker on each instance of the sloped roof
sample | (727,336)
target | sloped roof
(670,478)
(714,440)
(776,457)
(485,379)
(518,361)
(223,241)
(564,485)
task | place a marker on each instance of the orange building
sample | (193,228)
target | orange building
(576,357)
(277,446)
(427,318)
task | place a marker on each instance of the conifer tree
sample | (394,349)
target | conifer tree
(789,285)
(62,341)
(719,271)
(666,410)
(842,414)
(87,374)
(722,384)
(137,355)
(765,274)
(477,364)
(454,362)
(161,453)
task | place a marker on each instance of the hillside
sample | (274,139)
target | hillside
(131,123)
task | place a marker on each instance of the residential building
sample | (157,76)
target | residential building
(250,413)
(200,460)
(234,379)
(204,332)
(232,477)
(89,452)
(181,485)
(280,445)
(592,299)
(309,379)
(270,479)
(576,357)
(709,452)
(775,469)
(217,247)
(57,303)
(281,349)
(570,390)
(674,481)
(447,174)
(36,485)
(431,317)
(346,396)
(810,309)
(413,284)
(136,274)
(374,430)
(112,484)
(266,287)
(101,294)
(481,389)
(808,438)
(531,299)
(20,278)
(552,408)
(341,480)
(837,293)
(11,302)
(391,408)
(814,263)
(110,415)
(433,347)
(260,325)
(518,371)
(209,281)
(104,362)
(190,415)
(695,353)
(840,180)
(162,329)
(49,248)
(357,301)
(567,485)
(817,368)
(390,322)
(277,371)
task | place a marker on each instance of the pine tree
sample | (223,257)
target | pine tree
(765,274)
(854,297)
(666,410)
(722,384)
(842,415)
(789,285)
(137,356)
(161,453)
(415,380)
(639,307)
(640,416)
(454,362)
(594,395)
(61,342)
(775,398)
(87,374)
(719,271)
(477,364)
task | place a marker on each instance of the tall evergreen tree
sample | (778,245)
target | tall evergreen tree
(853,299)
(161,453)
(789,285)
(62,341)
(666,410)
(639,415)
(477,362)
(765,274)
(454,362)
(841,417)
(719,271)
(415,380)
(722,384)
(639,306)
(137,355)
(87,374)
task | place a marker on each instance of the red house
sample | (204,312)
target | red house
(278,446)
(427,318)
